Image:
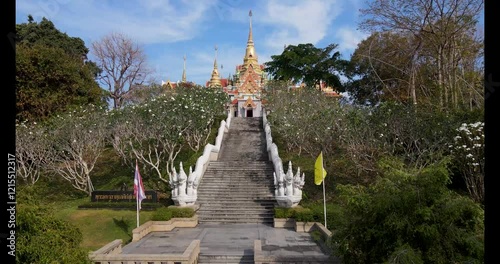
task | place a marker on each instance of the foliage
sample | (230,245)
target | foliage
(409,209)
(308,64)
(49,81)
(166,213)
(32,151)
(294,114)
(180,212)
(468,152)
(162,214)
(46,34)
(377,69)
(281,212)
(438,59)
(155,132)
(77,141)
(43,238)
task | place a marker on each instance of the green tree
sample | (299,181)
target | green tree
(408,214)
(51,81)
(308,64)
(44,238)
(46,34)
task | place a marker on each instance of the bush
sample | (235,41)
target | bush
(410,212)
(167,213)
(43,238)
(181,212)
(304,215)
(280,212)
(162,214)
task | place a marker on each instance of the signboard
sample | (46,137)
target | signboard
(122,196)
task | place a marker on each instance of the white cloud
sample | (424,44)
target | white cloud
(148,21)
(299,22)
(349,38)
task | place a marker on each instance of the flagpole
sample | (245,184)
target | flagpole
(137,209)
(324,197)
(137,198)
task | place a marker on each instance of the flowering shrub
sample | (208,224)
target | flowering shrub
(468,151)
(154,132)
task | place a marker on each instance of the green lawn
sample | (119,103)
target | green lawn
(101,226)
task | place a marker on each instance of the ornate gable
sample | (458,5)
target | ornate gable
(249,103)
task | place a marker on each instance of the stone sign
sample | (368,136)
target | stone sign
(122,196)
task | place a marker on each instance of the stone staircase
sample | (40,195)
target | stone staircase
(226,259)
(238,187)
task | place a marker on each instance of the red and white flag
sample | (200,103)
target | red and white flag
(139,192)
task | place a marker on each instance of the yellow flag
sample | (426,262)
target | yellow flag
(319,171)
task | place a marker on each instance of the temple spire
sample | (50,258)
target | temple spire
(250,55)
(184,71)
(215,79)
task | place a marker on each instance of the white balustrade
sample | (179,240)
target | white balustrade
(288,186)
(184,187)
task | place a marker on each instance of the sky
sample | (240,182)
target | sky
(169,29)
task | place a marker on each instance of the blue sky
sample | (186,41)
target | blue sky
(168,30)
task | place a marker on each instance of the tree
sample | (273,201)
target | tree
(52,71)
(155,131)
(50,81)
(442,35)
(123,63)
(78,139)
(408,214)
(308,64)
(46,34)
(378,69)
(32,151)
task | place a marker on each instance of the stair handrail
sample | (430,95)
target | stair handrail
(185,186)
(288,186)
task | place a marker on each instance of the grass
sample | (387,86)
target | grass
(99,227)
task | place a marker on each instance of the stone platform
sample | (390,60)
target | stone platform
(232,240)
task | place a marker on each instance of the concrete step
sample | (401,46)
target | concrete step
(204,258)
(236,207)
(228,186)
(235,197)
(235,193)
(248,214)
(228,204)
(268,221)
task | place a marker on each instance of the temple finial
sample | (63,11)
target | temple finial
(250,35)
(184,70)
(215,60)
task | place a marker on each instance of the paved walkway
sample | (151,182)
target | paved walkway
(228,239)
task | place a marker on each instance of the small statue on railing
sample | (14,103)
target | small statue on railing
(288,187)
